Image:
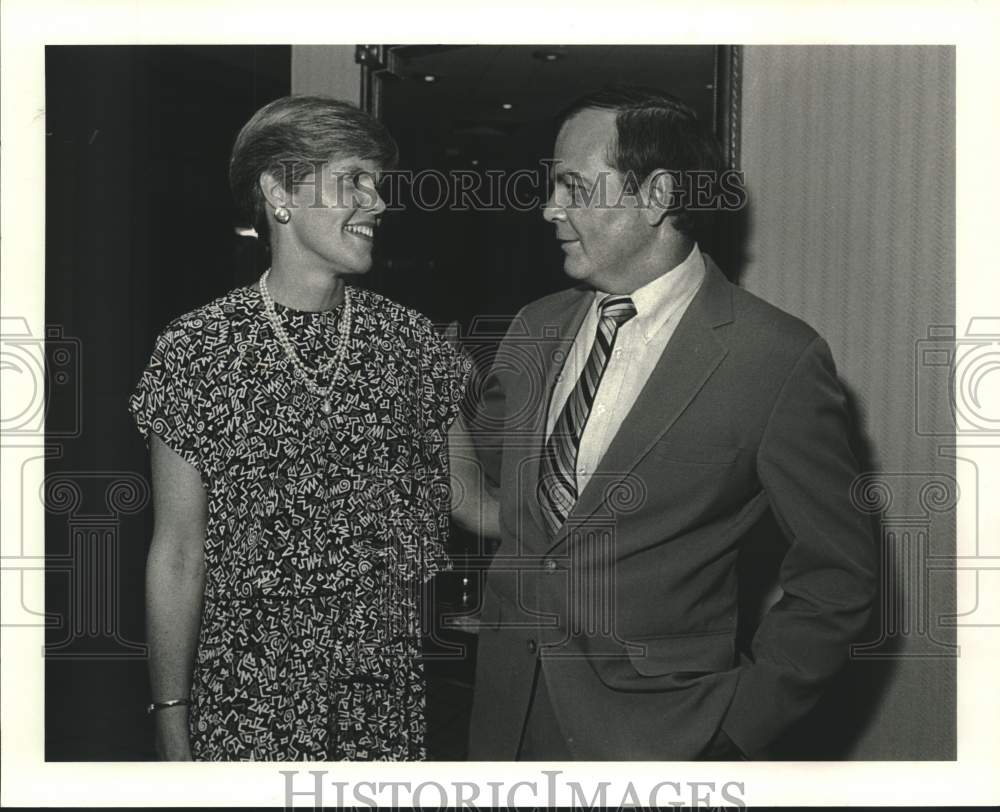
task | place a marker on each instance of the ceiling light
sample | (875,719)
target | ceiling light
(507,106)
(430,77)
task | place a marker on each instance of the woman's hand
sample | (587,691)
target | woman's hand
(172,740)
(475,507)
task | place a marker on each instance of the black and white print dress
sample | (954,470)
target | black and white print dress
(321,529)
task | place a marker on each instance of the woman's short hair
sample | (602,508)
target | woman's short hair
(291,137)
(654,131)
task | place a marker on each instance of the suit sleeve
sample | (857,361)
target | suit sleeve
(828,576)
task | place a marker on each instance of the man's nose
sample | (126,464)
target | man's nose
(553,210)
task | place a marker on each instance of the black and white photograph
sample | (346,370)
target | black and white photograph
(450,421)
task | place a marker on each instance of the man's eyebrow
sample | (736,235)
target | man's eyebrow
(570,174)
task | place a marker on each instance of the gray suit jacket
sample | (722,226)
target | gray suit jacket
(632,605)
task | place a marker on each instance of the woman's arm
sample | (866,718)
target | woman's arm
(475,506)
(175,582)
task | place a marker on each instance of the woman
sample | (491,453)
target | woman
(297,429)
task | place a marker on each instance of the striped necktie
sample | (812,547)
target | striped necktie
(557,473)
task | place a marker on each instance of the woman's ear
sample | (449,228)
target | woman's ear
(660,196)
(274,193)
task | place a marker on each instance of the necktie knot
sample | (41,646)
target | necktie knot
(618,308)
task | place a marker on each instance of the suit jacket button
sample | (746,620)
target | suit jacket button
(550,565)
(532,645)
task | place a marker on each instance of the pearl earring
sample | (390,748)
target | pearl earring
(282,215)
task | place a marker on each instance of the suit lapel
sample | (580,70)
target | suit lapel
(688,361)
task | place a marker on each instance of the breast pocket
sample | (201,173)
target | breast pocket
(694,453)
(689,481)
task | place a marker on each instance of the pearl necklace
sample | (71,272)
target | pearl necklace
(308,375)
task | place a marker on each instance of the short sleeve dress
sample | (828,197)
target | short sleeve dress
(321,528)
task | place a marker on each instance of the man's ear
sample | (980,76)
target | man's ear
(659,196)
(274,193)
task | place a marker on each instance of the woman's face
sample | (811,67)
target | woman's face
(334,217)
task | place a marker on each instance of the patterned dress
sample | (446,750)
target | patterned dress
(321,529)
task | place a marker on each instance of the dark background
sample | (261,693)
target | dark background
(139,229)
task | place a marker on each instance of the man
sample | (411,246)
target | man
(673,410)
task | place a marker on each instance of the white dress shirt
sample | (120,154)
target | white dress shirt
(638,346)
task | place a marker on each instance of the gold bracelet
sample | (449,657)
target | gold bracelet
(152,707)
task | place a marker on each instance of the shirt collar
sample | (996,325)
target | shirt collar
(657,301)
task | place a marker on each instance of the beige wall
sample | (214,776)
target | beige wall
(849,161)
(326,69)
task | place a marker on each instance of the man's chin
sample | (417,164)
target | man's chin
(574,269)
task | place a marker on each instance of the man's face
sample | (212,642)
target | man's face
(605,234)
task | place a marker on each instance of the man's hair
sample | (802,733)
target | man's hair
(654,131)
(294,135)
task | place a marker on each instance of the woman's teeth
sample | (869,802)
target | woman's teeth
(363,231)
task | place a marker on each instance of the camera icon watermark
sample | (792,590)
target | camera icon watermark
(967,367)
(37,372)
